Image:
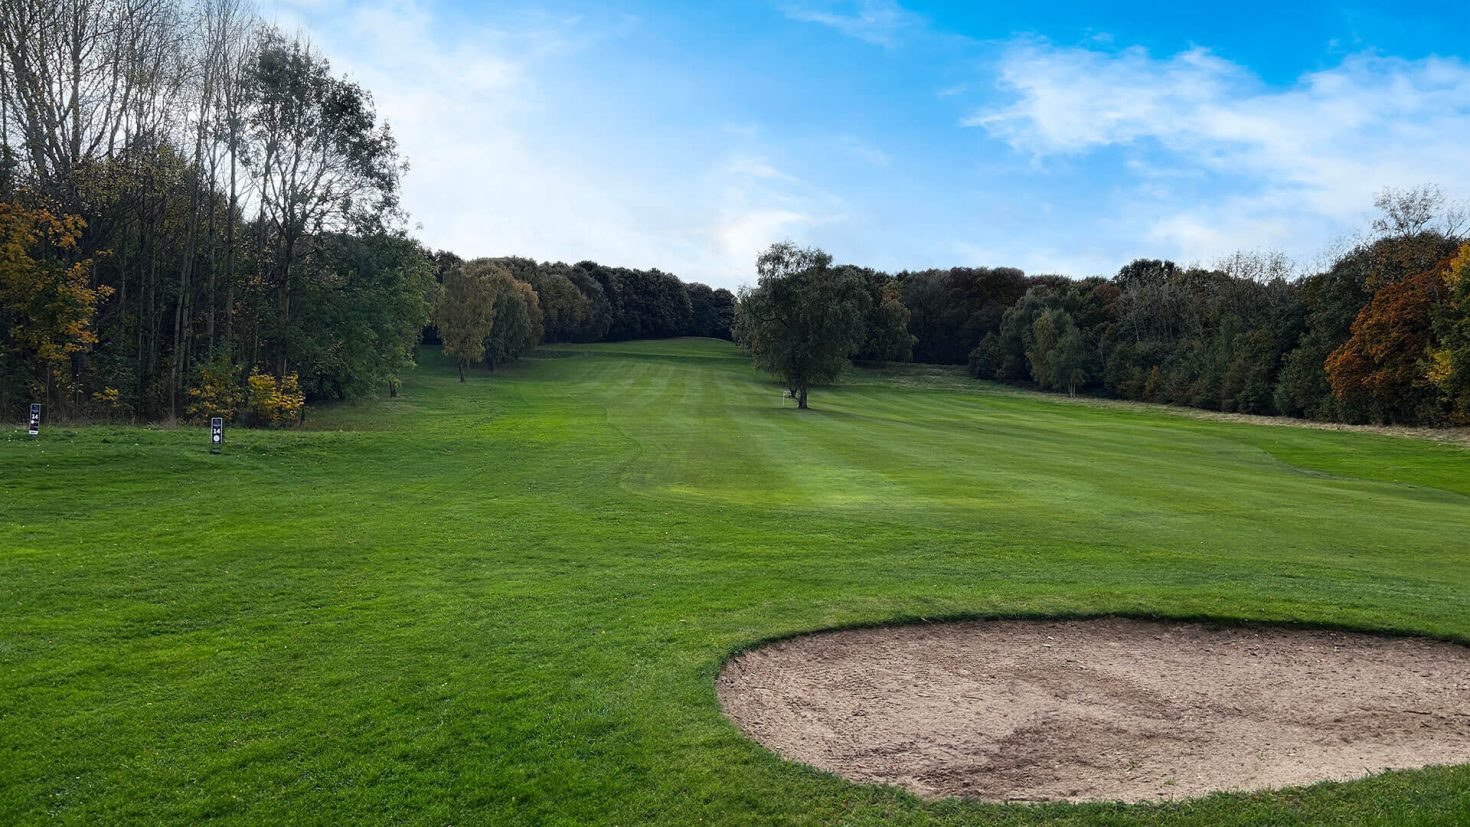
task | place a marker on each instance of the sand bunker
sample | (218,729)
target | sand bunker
(1107,709)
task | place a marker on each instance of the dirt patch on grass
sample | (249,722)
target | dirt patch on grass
(1108,709)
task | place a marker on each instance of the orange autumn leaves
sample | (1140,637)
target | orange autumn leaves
(1409,353)
(46,303)
(1449,360)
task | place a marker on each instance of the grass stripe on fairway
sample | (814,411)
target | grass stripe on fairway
(504,601)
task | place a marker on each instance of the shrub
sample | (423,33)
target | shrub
(111,401)
(272,402)
(216,391)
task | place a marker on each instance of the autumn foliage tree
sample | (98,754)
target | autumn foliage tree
(1382,364)
(486,314)
(1448,367)
(46,300)
(465,312)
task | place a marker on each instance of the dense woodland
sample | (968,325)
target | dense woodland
(1380,335)
(198,217)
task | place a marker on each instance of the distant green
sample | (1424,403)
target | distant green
(506,601)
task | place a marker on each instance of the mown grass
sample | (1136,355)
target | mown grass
(506,601)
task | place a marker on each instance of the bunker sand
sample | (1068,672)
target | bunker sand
(1107,709)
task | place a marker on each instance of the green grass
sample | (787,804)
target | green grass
(506,601)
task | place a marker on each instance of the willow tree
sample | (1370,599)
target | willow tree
(465,312)
(517,325)
(804,318)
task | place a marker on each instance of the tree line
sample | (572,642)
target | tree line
(491,310)
(1381,334)
(199,218)
(590,302)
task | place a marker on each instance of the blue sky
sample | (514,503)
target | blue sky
(1062,137)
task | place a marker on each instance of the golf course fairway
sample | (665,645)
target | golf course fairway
(506,601)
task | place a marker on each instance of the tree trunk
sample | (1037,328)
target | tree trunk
(461,371)
(230,242)
(801,398)
(288,254)
(212,235)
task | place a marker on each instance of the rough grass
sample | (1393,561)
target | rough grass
(505,601)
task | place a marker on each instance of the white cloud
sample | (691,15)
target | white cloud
(744,234)
(1070,100)
(1288,164)
(494,170)
(881,22)
(758,205)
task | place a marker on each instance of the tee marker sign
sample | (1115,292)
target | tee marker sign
(216,433)
(35,419)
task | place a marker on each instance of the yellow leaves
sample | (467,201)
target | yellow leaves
(216,392)
(1459,272)
(261,386)
(273,402)
(289,399)
(269,402)
(1440,367)
(50,303)
(22,228)
(112,399)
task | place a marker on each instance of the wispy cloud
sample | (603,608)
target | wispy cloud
(1070,100)
(864,151)
(759,204)
(1288,163)
(755,167)
(881,22)
(495,170)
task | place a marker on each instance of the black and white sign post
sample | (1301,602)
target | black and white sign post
(216,434)
(35,419)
